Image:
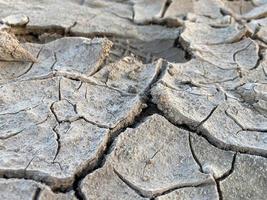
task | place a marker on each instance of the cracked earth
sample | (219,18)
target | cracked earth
(133,99)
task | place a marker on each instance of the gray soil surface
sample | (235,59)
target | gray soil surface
(133,99)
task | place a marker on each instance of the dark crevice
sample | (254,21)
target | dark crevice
(150,110)
(35,34)
(54,113)
(209,138)
(88,121)
(206,119)
(185,186)
(37,194)
(58,143)
(151,107)
(22,110)
(167,191)
(12,52)
(177,44)
(224,12)
(224,176)
(54,128)
(240,50)
(55,61)
(112,139)
(11,135)
(133,12)
(145,57)
(38,54)
(193,153)
(241,126)
(256,37)
(129,184)
(126,18)
(227,147)
(25,170)
(59,90)
(101,161)
(68,29)
(260,59)
(165,8)
(219,189)
(45,35)
(77,191)
(84,79)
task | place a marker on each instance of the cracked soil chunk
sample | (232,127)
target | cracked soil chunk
(70,55)
(213,161)
(180,96)
(248,180)
(23,95)
(79,54)
(73,55)
(201,33)
(247,119)
(91,19)
(64,111)
(47,149)
(181,9)
(104,183)
(146,10)
(242,54)
(208,8)
(233,134)
(187,105)
(16,189)
(47,194)
(129,75)
(239,7)
(206,97)
(257,12)
(79,146)
(207,192)
(153,158)
(34,145)
(262,33)
(101,105)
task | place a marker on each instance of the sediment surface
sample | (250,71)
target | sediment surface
(133,99)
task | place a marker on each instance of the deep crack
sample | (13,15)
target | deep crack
(193,153)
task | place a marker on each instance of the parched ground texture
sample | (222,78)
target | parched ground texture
(134,99)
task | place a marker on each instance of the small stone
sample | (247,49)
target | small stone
(16,20)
